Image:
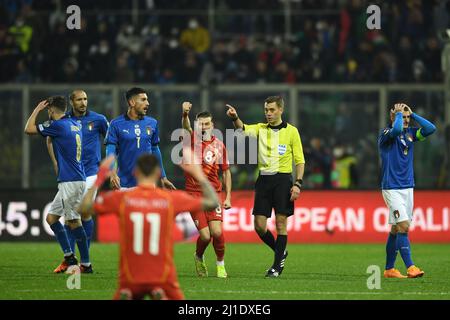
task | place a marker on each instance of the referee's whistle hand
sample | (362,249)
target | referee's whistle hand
(295,193)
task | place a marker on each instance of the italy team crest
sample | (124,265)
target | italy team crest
(148,130)
(90,126)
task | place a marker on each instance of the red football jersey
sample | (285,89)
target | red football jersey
(214,158)
(147,217)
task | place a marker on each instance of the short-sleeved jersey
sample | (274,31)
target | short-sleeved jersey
(131,138)
(397,157)
(146,216)
(94,125)
(278,146)
(214,158)
(67,138)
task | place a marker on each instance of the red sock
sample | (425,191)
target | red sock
(219,246)
(201,247)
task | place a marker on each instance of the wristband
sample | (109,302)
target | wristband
(298,183)
(234,119)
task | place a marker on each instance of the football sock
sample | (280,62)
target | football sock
(80,237)
(61,237)
(391,251)
(404,247)
(220,263)
(201,247)
(88,226)
(280,247)
(219,246)
(268,239)
(70,237)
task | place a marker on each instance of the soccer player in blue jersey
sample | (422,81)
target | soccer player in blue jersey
(130,135)
(94,127)
(66,137)
(396,147)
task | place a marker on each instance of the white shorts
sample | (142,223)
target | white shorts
(68,199)
(400,203)
(89,184)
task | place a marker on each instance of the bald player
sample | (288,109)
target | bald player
(94,128)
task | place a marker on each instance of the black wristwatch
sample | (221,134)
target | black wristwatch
(298,183)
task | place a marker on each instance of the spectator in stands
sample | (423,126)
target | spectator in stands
(123,72)
(332,48)
(22,34)
(345,167)
(195,37)
(128,39)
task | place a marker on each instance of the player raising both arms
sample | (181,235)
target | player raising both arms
(147,215)
(214,158)
(396,147)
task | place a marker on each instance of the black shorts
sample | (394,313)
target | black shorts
(273,191)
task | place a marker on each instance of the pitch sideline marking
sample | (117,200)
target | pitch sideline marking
(317,292)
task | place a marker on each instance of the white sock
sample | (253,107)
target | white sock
(86,264)
(220,263)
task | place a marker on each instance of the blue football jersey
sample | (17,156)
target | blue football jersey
(67,138)
(131,138)
(397,158)
(94,125)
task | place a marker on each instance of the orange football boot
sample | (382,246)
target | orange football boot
(62,267)
(414,272)
(393,273)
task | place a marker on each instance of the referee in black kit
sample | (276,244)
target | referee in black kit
(279,144)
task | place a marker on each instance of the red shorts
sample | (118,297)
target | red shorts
(165,291)
(202,218)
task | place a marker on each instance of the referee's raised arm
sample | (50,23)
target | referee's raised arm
(232,114)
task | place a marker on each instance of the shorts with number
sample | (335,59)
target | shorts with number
(68,199)
(400,204)
(202,218)
(165,291)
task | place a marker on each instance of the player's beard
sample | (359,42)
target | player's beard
(141,115)
(82,110)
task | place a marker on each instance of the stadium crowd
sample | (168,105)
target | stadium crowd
(246,45)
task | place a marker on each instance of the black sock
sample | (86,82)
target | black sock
(268,239)
(280,247)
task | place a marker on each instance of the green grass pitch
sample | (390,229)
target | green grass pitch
(312,271)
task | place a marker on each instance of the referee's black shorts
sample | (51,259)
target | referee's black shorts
(273,191)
